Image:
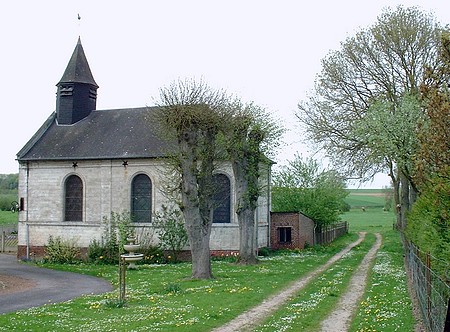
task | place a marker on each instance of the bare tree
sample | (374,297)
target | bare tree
(192,112)
(251,134)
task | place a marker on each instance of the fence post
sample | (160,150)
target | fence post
(3,241)
(447,320)
(428,285)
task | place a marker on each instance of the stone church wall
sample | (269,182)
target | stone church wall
(106,189)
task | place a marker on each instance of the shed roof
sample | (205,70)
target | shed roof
(104,134)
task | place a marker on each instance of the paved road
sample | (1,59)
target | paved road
(51,286)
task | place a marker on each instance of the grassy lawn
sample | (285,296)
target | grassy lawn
(305,311)
(164,298)
(7,217)
(386,305)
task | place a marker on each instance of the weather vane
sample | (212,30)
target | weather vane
(79,25)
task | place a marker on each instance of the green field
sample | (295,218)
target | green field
(368,198)
(7,217)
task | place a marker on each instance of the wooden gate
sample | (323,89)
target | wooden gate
(8,241)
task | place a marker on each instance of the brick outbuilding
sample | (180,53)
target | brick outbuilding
(291,230)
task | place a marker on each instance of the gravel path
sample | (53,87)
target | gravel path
(339,320)
(252,317)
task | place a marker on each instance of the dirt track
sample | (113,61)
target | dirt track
(339,320)
(254,316)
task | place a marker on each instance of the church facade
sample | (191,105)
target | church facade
(83,164)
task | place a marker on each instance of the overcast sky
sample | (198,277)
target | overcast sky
(268,52)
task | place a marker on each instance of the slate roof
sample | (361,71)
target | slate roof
(78,70)
(103,134)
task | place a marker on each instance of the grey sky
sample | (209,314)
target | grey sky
(263,51)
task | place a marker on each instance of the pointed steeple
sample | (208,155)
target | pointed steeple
(77,90)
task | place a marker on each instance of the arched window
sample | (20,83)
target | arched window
(73,204)
(222,201)
(141,198)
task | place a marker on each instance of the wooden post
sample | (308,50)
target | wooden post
(447,320)
(122,271)
(428,284)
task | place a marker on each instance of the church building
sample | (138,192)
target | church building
(83,164)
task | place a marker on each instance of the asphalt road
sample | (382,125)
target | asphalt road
(50,286)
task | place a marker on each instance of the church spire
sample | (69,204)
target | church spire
(77,90)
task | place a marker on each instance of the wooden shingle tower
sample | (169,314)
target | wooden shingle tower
(76,96)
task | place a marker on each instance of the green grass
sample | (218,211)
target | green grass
(164,298)
(305,311)
(372,220)
(7,217)
(368,198)
(386,305)
(152,304)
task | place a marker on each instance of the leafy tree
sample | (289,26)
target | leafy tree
(302,186)
(429,220)
(191,111)
(390,130)
(250,134)
(433,157)
(373,71)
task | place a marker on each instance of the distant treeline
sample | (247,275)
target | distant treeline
(8,190)
(9,182)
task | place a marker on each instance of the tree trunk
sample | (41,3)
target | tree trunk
(245,213)
(200,251)
(247,236)
(198,230)
(397,210)
(404,200)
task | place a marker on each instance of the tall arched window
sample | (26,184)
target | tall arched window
(73,204)
(141,198)
(222,201)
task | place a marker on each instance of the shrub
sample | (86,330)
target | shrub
(6,200)
(429,222)
(152,254)
(264,252)
(61,251)
(171,231)
(116,229)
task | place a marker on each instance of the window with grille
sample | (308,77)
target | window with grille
(284,235)
(73,199)
(222,202)
(141,198)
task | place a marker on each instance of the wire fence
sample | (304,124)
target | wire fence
(432,291)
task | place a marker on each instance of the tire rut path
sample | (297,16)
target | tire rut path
(339,320)
(255,315)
